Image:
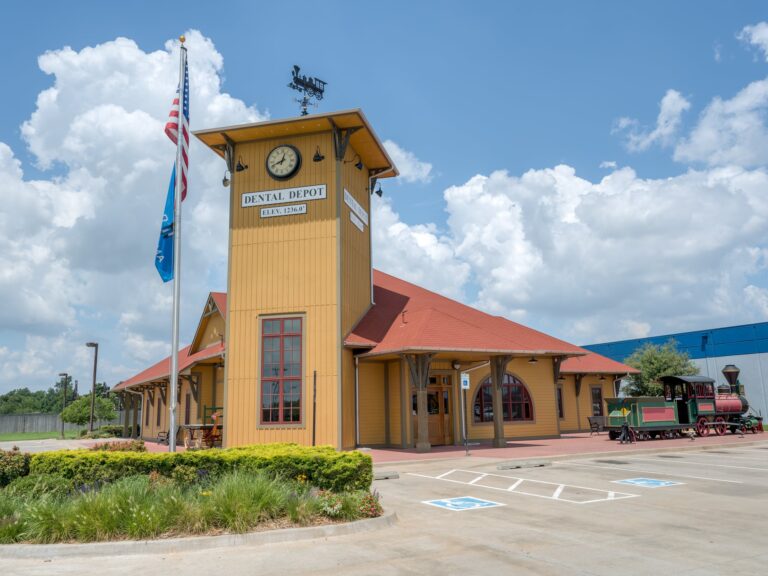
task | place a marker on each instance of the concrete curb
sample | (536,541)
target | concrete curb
(575,455)
(175,545)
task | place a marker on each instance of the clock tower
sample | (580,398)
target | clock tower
(299,273)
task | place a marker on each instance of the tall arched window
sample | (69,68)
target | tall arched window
(514,397)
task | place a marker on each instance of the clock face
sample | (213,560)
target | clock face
(283,162)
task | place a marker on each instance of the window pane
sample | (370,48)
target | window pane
(433,405)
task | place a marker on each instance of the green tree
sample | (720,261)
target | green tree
(79,411)
(653,362)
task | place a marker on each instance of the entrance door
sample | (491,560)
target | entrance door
(438,411)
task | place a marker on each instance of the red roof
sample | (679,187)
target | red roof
(220,299)
(407,317)
(594,363)
(162,370)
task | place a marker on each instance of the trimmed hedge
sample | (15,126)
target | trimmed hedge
(322,466)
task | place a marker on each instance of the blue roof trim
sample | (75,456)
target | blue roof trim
(729,341)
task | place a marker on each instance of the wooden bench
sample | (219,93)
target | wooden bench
(596,424)
(162,437)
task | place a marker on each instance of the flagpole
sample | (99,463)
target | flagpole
(177,257)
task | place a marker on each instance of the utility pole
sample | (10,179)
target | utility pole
(95,346)
(64,376)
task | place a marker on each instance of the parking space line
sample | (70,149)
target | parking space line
(645,471)
(515,485)
(557,493)
(699,462)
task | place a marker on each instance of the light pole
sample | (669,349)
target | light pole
(63,376)
(95,346)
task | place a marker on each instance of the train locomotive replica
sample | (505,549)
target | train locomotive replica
(689,403)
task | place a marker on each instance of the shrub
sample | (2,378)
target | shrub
(323,467)
(369,505)
(11,526)
(13,464)
(121,446)
(39,486)
(185,475)
(117,430)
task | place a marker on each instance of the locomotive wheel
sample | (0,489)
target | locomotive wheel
(720,427)
(701,427)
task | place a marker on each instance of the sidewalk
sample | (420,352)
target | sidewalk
(567,445)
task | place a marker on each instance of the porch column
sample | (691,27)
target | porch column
(498,368)
(135,404)
(577,381)
(126,407)
(556,362)
(418,365)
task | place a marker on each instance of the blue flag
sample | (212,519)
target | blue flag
(164,255)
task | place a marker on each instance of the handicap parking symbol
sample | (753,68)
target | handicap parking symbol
(462,503)
(648,482)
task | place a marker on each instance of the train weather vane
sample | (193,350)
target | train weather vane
(309,87)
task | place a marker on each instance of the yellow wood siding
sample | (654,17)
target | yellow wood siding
(355,246)
(348,439)
(570,421)
(395,406)
(372,404)
(213,333)
(284,266)
(538,378)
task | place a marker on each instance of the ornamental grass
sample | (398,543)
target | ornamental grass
(155,506)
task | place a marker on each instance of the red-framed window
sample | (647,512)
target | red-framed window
(515,400)
(281,370)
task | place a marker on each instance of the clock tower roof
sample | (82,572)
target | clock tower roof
(363,139)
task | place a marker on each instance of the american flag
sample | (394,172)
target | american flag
(172,129)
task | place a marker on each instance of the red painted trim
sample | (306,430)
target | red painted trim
(658,414)
(706,407)
(282,379)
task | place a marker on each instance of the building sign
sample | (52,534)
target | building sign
(317,192)
(355,206)
(284,210)
(357,222)
(465,381)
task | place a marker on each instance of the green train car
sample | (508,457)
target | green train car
(688,402)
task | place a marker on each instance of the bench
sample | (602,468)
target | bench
(596,424)
(162,437)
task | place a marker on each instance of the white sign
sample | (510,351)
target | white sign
(284,210)
(357,222)
(464,381)
(355,206)
(267,197)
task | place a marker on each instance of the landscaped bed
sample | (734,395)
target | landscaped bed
(110,494)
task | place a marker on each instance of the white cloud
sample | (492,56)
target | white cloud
(417,253)
(617,257)
(610,164)
(730,131)
(756,35)
(671,109)
(411,168)
(85,241)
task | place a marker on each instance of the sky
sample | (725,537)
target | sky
(594,170)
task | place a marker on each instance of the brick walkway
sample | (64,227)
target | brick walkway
(567,445)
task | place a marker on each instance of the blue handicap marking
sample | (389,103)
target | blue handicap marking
(462,503)
(648,482)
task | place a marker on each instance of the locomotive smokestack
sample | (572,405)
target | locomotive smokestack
(731,373)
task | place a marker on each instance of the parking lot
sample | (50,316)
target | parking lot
(672,512)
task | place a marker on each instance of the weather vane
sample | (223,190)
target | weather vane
(309,87)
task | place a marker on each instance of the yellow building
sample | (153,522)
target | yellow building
(322,349)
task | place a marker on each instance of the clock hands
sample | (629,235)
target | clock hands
(278,163)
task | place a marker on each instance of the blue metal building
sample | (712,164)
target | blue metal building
(745,346)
